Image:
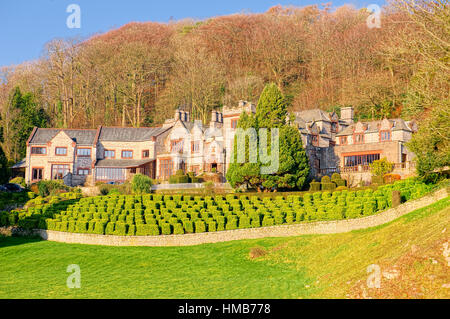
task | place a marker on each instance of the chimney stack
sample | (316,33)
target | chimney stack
(347,114)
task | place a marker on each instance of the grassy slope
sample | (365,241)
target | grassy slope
(300,267)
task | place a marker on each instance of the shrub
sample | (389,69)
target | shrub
(391,178)
(141,184)
(268,221)
(46,188)
(231,224)
(188,226)
(212,226)
(81,227)
(109,230)
(244,222)
(325,179)
(178,229)
(104,190)
(328,186)
(381,167)
(19,180)
(99,228)
(200,226)
(131,230)
(335,176)
(166,229)
(314,186)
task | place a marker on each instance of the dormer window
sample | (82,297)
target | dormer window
(343,140)
(358,138)
(385,136)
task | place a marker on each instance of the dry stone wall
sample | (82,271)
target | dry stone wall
(326,227)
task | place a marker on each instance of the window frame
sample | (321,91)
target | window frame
(126,157)
(109,157)
(84,148)
(143,152)
(38,147)
(178,143)
(361,141)
(61,148)
(166,165)
(53,170)
(32,174)
(385,132)
(84,169)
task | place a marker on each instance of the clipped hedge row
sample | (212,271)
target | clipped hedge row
(154,214)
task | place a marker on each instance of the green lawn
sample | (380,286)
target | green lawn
(297,267)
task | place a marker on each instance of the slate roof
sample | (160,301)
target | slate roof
(129,134)
(81,137)
(313,115)
(372,127)
(21,164)
(121,163)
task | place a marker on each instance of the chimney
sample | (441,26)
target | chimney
(178,115)
(213,116)
(347,114)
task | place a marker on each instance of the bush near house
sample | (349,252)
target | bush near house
(46,188)
(381,167)
(141,184)
(391,178)
(154,214)
(179,178)
(19,180)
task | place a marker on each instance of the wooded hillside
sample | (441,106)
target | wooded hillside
(136,75)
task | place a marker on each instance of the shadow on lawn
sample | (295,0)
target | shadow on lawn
(8,241)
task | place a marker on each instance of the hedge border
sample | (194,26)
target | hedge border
(324,227)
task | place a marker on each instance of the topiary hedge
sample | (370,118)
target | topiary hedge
(154,214)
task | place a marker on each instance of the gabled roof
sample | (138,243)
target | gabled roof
(373,127)
(313,115)
(20,164)
(45,135)
(129,134)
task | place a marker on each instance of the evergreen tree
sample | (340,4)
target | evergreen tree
(293,167)
(23,115)
(271,110)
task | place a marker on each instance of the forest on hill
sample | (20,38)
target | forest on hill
(138,74)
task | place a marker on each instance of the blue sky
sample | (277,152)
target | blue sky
(26,25)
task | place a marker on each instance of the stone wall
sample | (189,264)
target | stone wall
(326,227)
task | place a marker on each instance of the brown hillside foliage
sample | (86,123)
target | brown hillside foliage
(138,74)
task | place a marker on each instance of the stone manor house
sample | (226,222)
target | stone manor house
(114,154)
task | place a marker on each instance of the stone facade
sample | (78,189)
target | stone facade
(114,154)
